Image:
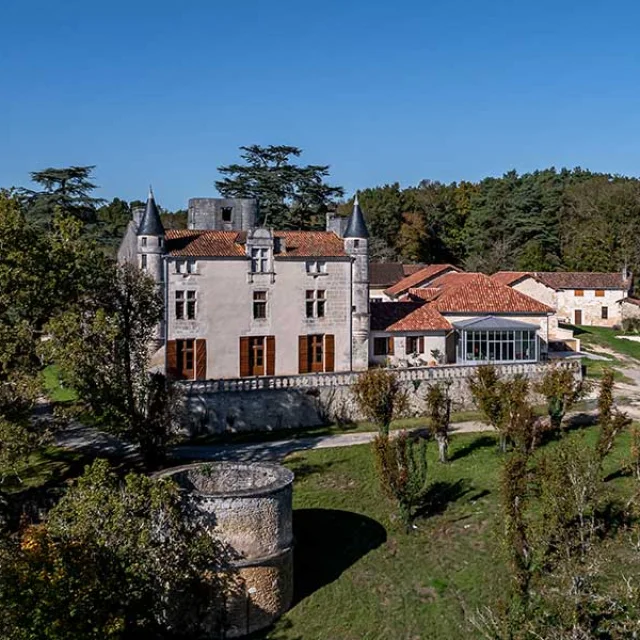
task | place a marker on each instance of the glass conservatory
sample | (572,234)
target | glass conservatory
(496,339)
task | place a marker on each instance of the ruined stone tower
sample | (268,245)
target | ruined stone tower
(356,242)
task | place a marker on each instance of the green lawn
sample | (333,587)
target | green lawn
(47,467)
(604,337)
(358,575)
(595,369)
(54,388)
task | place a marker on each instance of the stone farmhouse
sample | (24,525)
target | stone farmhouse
(457,317)
(580,298)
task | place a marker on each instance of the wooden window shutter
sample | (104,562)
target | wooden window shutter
(390,346)
(271,355)
(329,352)
(201,359)
(172,358)
(303,354)
(421,344)
(245,365)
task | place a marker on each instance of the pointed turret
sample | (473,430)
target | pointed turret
(357,227)
(356,245)
(151,225)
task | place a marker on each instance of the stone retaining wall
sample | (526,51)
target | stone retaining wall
(291,402)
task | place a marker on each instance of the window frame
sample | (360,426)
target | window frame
(185,266)
(378,340)
(259,260)
(600,293)
(260,299)
(143,262)
(185,353)
(226,213)
(316,303)
(191,304)
(604,313)
(578,293)
(179,306)
(143,241)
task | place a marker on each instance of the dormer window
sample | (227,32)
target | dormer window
(259,260)
(316,267)
(185,266)
(226,214)
(143,241)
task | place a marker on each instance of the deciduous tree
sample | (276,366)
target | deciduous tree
(103,349)
(380,397)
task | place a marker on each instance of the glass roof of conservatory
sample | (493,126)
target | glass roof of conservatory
(492,323)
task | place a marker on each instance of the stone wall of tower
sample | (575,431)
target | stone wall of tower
(153,250)
(222,214)
(358,249)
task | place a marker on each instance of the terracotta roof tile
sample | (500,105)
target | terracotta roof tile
(478,293)
(406,316)
(509,277)
(193,243)
(224,244)
(566,279)
(581,280)
(385,274)
(417,278)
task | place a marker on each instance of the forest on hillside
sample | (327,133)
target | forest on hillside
(545,220)
(569,219)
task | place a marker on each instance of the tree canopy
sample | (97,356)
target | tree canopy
(291,196)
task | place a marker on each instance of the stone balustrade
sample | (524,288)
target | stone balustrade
(316,380)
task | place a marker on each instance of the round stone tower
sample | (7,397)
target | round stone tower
(151,250)
(151,241)
(356,243)
(248,509)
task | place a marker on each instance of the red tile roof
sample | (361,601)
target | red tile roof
(509,277)
(567,279)
(385,274)
(406,316)
(187,242)
(224,244)
(478,293)
(419,277)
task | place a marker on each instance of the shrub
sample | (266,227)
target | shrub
(401,464)
(561,390)
(439,408)
(380,397)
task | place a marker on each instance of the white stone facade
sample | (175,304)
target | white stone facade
(577,306)
(224,291)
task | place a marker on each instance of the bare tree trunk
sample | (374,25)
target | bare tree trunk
(443,447)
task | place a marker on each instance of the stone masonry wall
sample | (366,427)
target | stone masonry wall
(293,402)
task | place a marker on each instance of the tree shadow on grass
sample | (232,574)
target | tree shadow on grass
(480,442)
(327,542)
(441,494)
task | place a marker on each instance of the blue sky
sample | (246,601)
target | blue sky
(164,92)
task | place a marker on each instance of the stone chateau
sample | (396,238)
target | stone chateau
(242,300)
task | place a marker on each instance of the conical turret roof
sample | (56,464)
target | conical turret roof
(357,227)
(151,225)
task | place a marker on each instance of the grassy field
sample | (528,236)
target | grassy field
(604,337)
(54,388)
(358,575)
